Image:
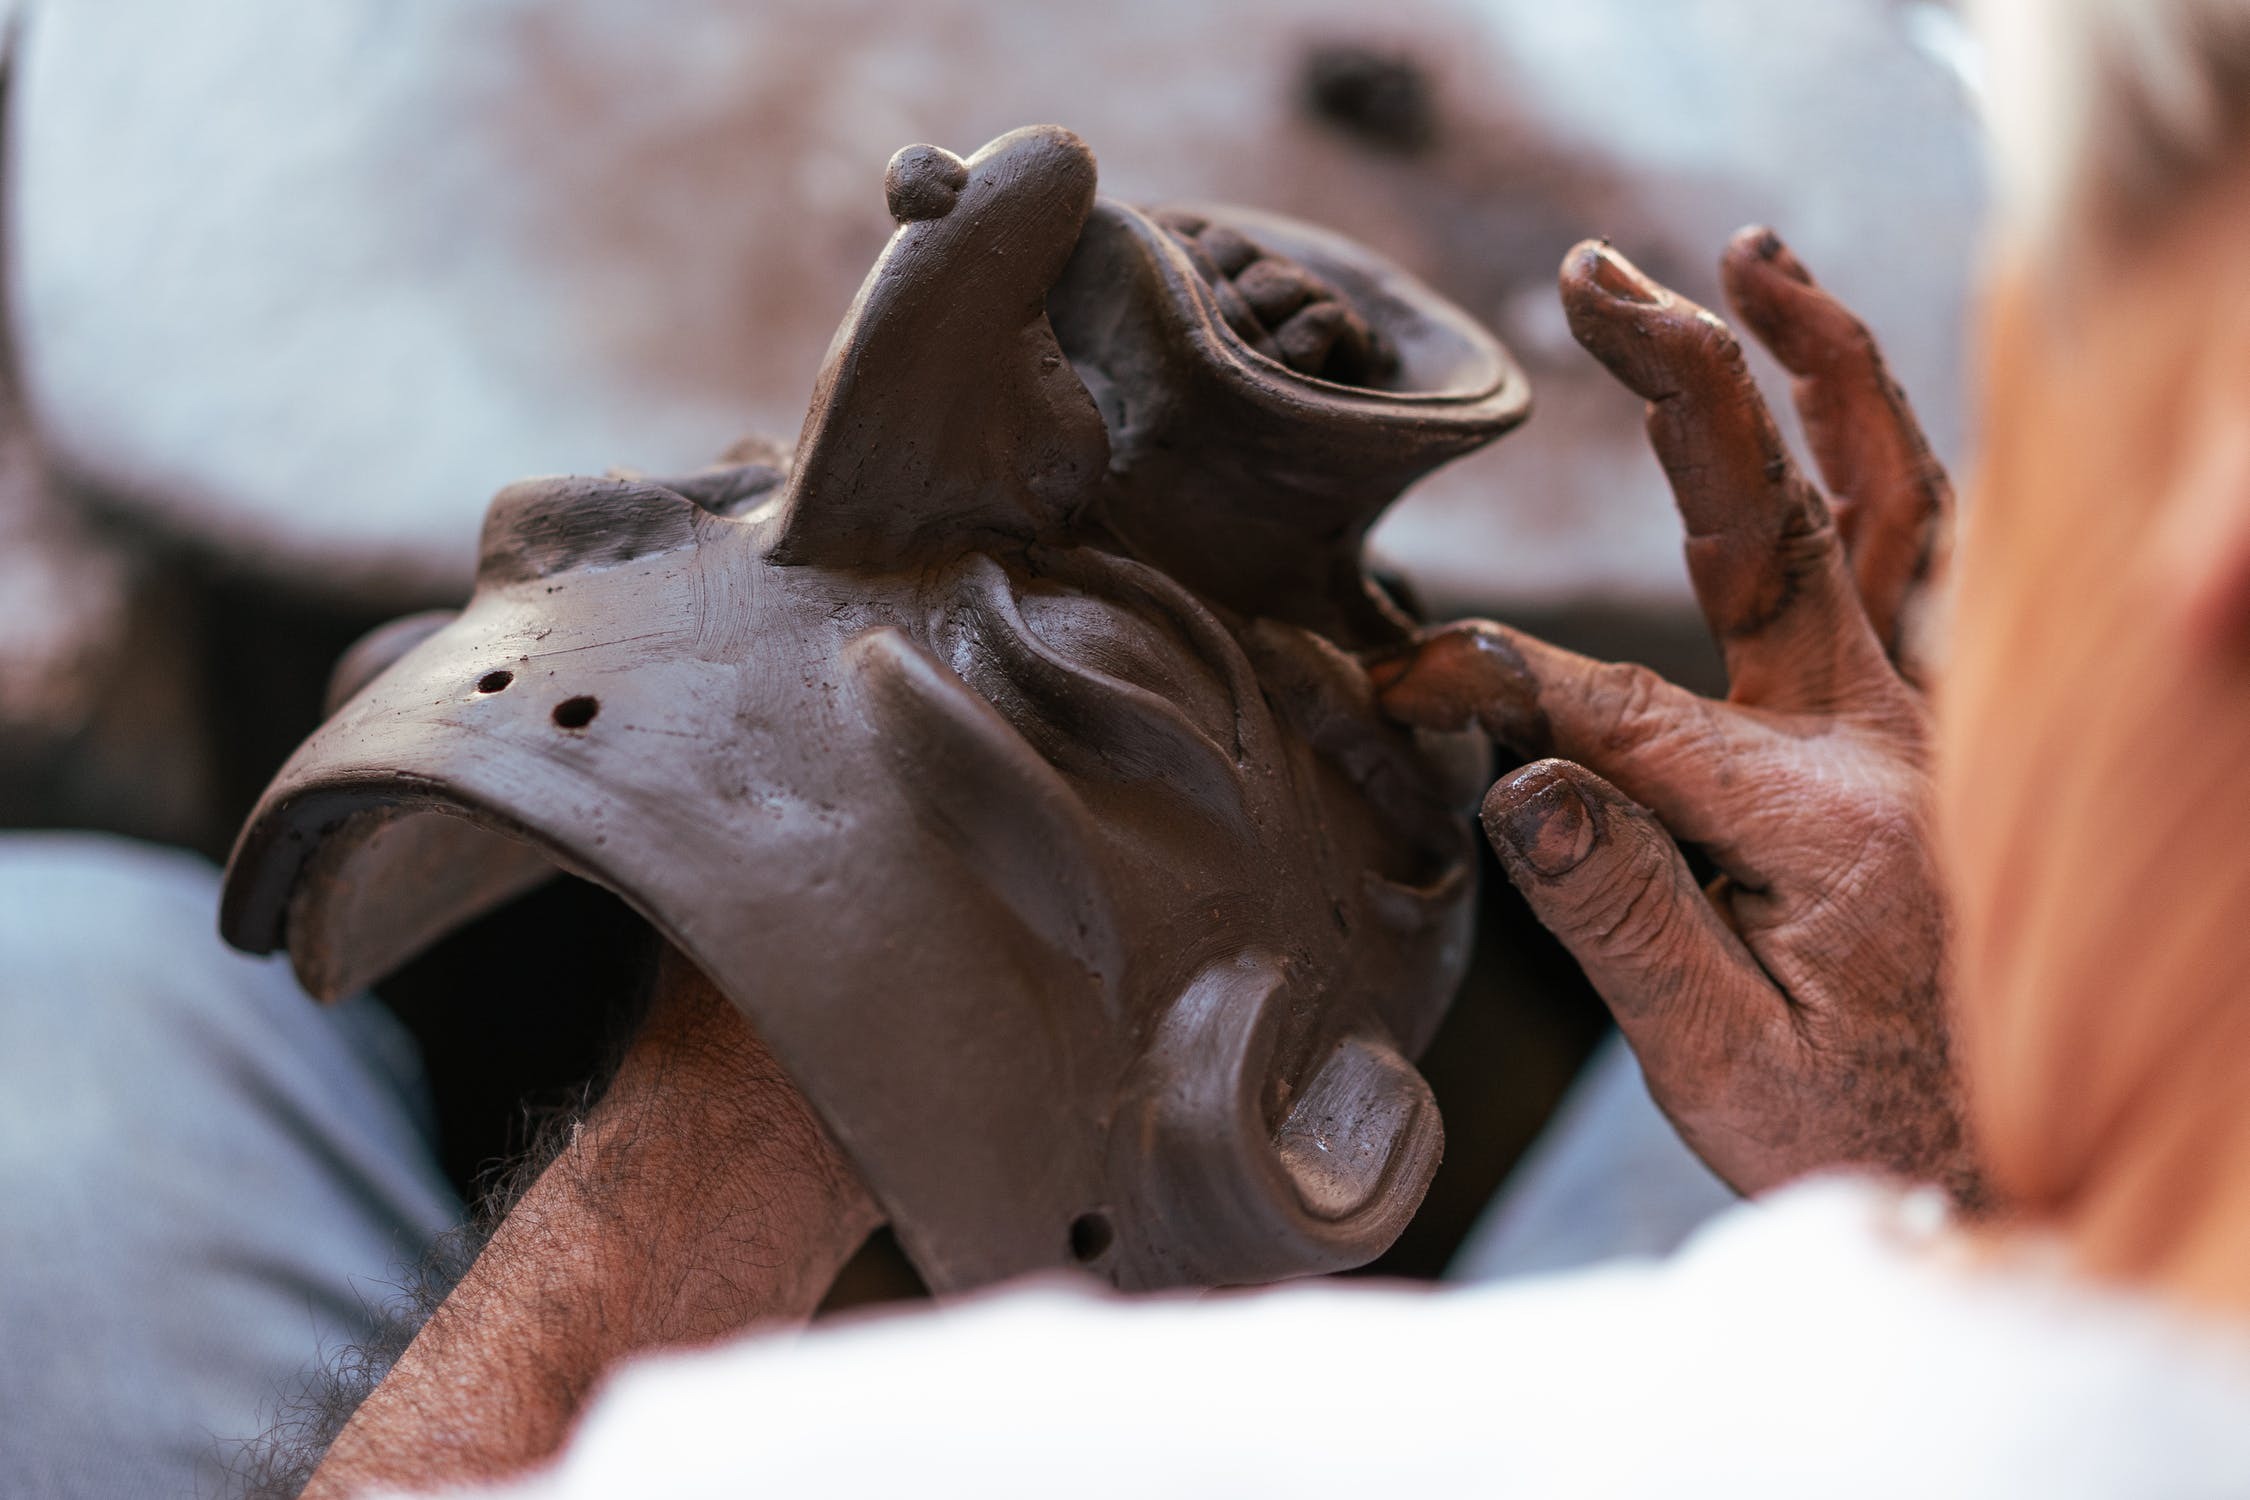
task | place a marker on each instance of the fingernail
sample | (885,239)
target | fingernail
(1619,278)
(1770,248)
(1539,815)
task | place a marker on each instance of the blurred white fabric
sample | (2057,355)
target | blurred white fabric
(1833,1341)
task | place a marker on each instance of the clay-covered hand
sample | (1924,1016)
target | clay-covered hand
(1792,1015)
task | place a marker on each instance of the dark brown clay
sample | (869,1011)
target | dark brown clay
(1003,756)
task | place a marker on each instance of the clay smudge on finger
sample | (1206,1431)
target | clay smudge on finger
(1621,279)
(1800,321)
(1760,539)
(1891,499)
(1467,674)
(1643,333)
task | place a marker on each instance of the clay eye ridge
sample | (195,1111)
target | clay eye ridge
(1106,685)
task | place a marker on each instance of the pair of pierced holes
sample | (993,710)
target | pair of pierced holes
(571,713)
(1090,1237)
(576,713)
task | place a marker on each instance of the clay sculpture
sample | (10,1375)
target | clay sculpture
(1004,751)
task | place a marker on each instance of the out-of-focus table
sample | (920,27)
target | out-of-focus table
(303,284)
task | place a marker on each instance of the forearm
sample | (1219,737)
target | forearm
(700,1197)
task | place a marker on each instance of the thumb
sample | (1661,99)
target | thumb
(1604,877)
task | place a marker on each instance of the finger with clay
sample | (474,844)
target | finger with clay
(1791,1016)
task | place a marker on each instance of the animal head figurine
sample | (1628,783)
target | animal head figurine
(1003,754)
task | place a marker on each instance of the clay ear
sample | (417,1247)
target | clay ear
(946,408)
(1239,1200)
(989,800)
(1175,719)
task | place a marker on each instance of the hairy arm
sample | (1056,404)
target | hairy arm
(699,1197)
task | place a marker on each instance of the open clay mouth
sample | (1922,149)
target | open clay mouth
(1281,309)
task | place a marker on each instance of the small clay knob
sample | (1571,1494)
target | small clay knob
(922,182)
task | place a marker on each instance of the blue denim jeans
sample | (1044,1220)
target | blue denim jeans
(205,1178)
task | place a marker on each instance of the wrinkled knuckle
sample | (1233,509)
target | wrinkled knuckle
(1811,543)
(1809,560)
(1633,707)
(1717,337)
(1636,921)
(1715,346)
(1625,906)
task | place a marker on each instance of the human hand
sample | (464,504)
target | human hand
(1793,1015)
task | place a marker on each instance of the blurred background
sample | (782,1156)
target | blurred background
(291,289)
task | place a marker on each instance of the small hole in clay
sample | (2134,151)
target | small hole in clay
(576,713)
(493,682)
(1090,1236)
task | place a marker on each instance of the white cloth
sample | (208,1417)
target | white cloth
(1834,1340)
